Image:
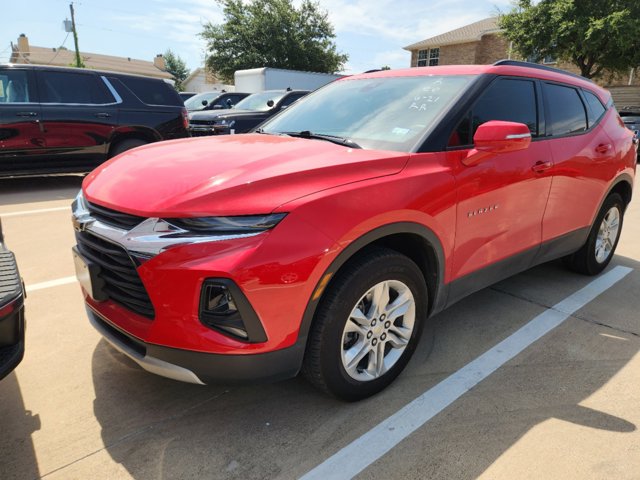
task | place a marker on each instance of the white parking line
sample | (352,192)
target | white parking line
(365,450)
(30,212)
(50,283)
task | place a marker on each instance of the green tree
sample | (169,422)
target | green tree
(176,67)
(595,35)
(271,33)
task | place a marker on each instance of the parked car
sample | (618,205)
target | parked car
(186,95)
(246,115)
(214,101)
(68,120)
(326,241)
(12,323)
(631,118)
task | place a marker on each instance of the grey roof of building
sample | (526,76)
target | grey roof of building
(469,33)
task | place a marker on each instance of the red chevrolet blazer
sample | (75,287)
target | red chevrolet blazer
(325,241)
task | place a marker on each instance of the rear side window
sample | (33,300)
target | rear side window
(596,109)
(506,99)
(68,87)
(152,91)
(566,110)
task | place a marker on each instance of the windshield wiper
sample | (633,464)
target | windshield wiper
(323,136)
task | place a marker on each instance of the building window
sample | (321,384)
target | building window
(429,57)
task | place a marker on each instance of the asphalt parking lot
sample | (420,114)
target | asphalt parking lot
(567,406)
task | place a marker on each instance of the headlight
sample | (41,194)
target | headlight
(228,225)
(226,123)
(79,203)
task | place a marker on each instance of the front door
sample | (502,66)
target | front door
(501,201)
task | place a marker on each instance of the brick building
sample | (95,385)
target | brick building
(482,43)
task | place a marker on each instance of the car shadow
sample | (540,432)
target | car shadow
(21,190)
(18,458)
(159,428)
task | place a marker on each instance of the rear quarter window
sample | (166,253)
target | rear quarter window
(596,109)
(152,91)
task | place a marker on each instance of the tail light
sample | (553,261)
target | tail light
(185,118)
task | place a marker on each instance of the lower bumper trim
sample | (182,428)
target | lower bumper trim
(200,367)
(149,363)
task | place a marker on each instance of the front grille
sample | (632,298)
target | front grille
(113,218)
(201,122)
(117,269)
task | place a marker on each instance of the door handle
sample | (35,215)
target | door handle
(103,115)
(603,148)
(541,166)
(26,114)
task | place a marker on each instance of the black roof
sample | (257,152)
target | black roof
(30,66)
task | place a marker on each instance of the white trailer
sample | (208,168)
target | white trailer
(260,79)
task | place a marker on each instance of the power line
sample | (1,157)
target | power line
(59,49)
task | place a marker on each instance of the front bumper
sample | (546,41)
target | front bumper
(197,367)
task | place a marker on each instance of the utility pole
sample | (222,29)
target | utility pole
(79,63)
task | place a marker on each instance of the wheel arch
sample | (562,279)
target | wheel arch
(129,133)
(622,186)
(414,240)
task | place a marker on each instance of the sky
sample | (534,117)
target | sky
(371,32)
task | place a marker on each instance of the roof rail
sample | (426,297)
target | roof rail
(518,63)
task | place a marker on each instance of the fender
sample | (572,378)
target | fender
(439,297)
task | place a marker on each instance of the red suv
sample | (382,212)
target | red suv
(325,241)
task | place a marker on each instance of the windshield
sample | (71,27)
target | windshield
(195,102)
(258,101)
(390,113)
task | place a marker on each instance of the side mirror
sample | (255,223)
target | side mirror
(270,103)
(496,137)
(205,103)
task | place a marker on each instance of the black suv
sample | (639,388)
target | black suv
(246,115)
(213,101)
(69,120)
(11,312)
(631,118)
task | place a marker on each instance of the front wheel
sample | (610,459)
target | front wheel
(597,252)
(367,325)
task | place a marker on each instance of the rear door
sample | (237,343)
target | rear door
(501,200)
(584,161)
(21,130)
(79,115)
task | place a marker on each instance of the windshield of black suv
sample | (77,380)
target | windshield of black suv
(387,113)
(195,103)
(258,101)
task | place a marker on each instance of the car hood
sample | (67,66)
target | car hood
(230,175)
(213,114)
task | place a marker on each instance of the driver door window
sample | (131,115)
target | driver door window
(506,99)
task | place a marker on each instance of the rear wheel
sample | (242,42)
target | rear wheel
(124,145)
(367,325)
(597,252)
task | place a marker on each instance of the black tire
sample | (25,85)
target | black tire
(323,362)
(124,145)
(585,260)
